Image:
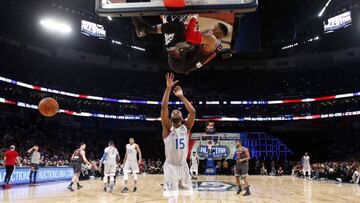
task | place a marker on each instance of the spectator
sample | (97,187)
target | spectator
(158,166)
(225,167)
(280,172)
(263,171)
(356,176)
(273,171)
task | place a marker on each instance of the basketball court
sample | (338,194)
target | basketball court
(207,189)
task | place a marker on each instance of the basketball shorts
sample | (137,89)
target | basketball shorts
(34,167)
(76,167)
(110,169)
(177,179)
(242,169)
(174,33)
(131,166)
(194,168)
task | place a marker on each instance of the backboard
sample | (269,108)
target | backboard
(124,8)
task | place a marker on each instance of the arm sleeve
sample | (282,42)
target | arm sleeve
(192,35)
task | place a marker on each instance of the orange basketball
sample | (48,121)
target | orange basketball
(48,107)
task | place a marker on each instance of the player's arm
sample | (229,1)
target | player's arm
(18,161)
(102,159)
(165,121)
(125,157)
(139,152)
(302,161)
(30,150)
(189,107)
(118,158)
(82,152)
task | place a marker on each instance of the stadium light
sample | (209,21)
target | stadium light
(116,42)
(57,26)
(324,8)
(138,48)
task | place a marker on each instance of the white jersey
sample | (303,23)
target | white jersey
(306,162)
(194,160)
(177,144)
(131,152)
(111,154)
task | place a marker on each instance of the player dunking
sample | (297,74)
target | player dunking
(110,159)
(131,163)
(242,167)
(194,165)
(175,134)
(77,158)
(187,48)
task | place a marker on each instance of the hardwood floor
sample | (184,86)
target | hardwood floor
(264,189)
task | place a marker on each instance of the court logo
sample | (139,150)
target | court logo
(213,186)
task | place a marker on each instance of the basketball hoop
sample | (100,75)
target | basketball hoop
(174,4)
(125,8)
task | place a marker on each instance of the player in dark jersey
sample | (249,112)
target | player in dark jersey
(187,48)
(242,167)
(77,159)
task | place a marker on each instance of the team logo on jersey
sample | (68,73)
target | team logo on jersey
(168,38)
(213,186)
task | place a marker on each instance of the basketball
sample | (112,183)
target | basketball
(48,107)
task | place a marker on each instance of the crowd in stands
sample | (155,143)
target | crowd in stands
(340,171)
(214,85)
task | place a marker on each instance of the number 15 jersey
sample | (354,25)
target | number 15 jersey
(177,144)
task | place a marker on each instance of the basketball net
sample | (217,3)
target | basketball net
(210,143)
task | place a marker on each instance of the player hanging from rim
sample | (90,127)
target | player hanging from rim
(175,134)
(77,158)
(242,167)
(194,166)
(131,164)
(110,159)
(188,49)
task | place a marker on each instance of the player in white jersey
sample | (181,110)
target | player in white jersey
(194,165)
(306,165)
(175,134)
(110,159)
(131,163)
